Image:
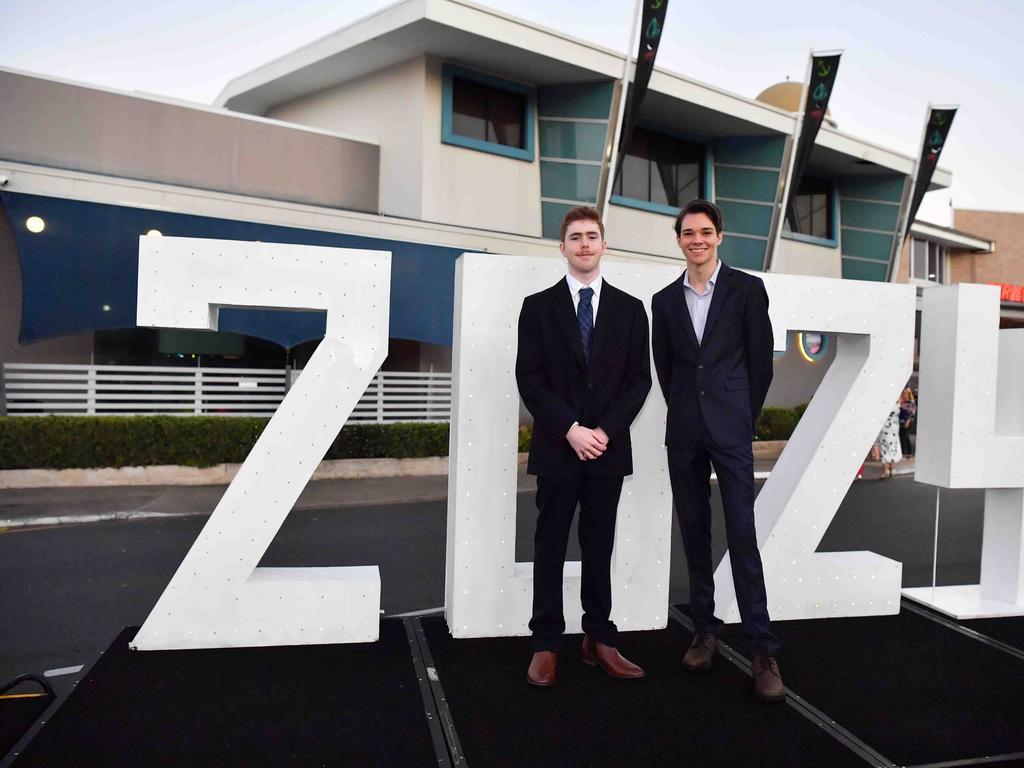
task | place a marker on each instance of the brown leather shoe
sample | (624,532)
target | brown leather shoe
(542,669)
(701,652)
(767,680)
(609,659)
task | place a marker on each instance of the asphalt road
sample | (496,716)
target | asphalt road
(66,591)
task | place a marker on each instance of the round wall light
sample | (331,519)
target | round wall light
(35,224)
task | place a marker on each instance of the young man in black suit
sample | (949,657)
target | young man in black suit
(583,370)
(713,351)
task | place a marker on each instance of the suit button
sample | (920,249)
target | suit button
(702,393)
(589,385)
(700,367)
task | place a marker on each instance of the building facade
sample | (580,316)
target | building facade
(431,128)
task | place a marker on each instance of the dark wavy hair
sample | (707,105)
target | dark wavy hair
(706,207)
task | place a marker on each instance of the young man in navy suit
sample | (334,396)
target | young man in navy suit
(713,351)
(583,370)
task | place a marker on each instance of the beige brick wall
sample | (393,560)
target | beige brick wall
(1006,263)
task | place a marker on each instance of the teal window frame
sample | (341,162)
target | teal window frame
(827,242)
(705,180)
(449,72)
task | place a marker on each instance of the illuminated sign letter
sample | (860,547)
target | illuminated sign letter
(219,597)
(970,434)
(487,593)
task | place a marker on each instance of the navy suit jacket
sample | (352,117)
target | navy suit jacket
(559,388)
(724,379)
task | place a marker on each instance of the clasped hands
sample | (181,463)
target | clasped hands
(587,443)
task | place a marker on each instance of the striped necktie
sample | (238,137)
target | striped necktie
(585,317)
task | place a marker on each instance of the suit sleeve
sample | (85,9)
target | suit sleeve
(623,409)
(760,347)
(540,399)
(661,346)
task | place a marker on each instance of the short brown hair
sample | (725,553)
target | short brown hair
(706,207)
(580,213)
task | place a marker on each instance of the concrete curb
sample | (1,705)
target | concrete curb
(221,474)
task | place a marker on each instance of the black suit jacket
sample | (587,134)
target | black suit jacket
(723,380)
(559,389)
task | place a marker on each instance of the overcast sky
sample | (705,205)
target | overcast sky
(899,55)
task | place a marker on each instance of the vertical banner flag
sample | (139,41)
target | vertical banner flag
(651,26)
(939,121)
(819,89)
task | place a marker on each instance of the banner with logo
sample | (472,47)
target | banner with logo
(819,90)
(936,132)
(652,23)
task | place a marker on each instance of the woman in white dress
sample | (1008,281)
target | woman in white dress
(889,440)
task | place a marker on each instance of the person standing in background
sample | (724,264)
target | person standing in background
(908,412)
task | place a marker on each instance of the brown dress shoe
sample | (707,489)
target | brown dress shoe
(701,652)
(542,669)
(609,659)
(767,680)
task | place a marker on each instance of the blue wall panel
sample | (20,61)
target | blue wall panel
(864,215)
(746,184)
(744,252)
(87,259)
(746,218)
(575,136)
(581,100)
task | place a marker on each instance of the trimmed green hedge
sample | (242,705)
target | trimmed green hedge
(63,442)
(82,442)
(777,423)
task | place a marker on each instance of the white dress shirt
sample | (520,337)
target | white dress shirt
(574,288)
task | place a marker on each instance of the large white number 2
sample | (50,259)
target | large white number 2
(219,597)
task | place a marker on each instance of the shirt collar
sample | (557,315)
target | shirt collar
(575,285)
(711,281)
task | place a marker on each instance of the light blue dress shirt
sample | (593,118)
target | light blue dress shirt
(698,304)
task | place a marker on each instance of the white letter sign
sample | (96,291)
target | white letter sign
(970,434)
(874,359)
(219,597)
(487,593)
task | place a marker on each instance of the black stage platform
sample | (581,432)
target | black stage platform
(914,689)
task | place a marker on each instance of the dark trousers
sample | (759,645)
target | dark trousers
(557,498)
(907,448)
(690,474)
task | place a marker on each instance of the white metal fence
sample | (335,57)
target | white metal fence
(34,389)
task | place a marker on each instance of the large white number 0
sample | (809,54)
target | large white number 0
(219,597)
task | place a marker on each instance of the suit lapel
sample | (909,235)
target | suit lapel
(718,299)
(566,317)
(684,318)
(606,313)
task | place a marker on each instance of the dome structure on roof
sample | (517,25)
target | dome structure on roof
(786,95)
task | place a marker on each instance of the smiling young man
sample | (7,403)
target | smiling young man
(583,370)
(713,352)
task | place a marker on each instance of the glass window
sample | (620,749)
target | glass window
(660,169)
(927,261)
(810,211)
(489,114)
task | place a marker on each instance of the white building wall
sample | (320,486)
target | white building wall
(471,188)
(642,231)
(797,258)
(387,106)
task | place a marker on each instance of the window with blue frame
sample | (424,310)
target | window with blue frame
(661,170)
(811,211)
(487,114)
